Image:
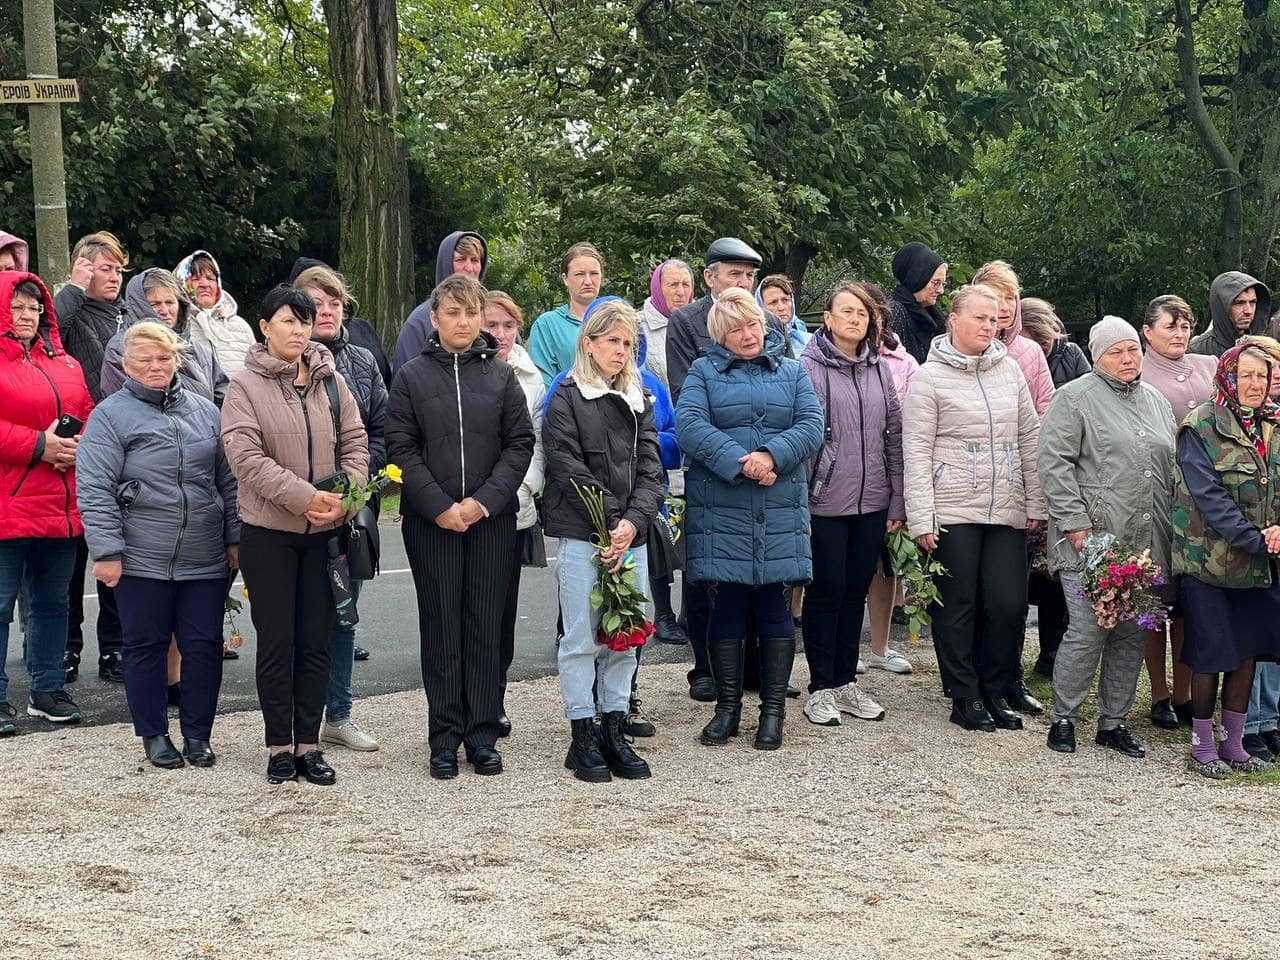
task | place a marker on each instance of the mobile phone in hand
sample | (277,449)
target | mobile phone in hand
(68,426)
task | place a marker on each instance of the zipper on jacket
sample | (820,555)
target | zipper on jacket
(991,437)
(66,486)
(182,493)
(306,418)
(862,437)
(462,440)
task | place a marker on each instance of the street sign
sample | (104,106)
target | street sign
(14,92)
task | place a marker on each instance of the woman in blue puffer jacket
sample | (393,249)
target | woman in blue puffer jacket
(747,420)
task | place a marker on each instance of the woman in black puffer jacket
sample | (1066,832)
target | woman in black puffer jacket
(458,427)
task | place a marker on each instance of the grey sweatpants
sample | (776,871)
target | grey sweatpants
(1083,648)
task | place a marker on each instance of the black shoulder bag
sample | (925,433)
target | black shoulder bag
(361,531)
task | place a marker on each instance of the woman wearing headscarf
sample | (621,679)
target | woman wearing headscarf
(776,294)
(1106,466)
(670,288)
(913,305)
(13,253)
(216,321)
(1225,543)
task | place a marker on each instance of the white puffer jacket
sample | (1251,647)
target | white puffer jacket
(970,438)
(530,380)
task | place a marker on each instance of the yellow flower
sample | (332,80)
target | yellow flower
(394,473)
(245,591)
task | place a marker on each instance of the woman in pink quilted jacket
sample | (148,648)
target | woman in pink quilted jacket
(999,276)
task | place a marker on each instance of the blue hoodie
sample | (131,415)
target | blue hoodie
(797,332)
(416,330)
(664,414)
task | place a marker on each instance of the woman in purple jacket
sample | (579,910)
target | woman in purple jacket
(855,497)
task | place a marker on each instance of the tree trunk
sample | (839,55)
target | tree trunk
(376,248)
(799,256)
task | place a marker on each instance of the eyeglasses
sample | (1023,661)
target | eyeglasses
(35,309)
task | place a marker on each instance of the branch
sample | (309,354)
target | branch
(1189,70)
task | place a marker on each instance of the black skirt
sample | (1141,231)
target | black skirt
(1223,628)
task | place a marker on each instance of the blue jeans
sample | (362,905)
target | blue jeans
(48,561)
(583,663)
(342,656)
(1264,702)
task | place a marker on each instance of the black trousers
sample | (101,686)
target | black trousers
(461,581)
(190,611)
(1046,594)
(511,609)
(293,616)
(845,553)
(986,564)
(697,613)
(110,632)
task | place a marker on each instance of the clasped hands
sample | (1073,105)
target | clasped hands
(461,515)
(325,508)
(759,466)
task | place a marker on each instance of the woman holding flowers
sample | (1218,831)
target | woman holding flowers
(603,470)
(1106,465)
(748,421)
(1225,541)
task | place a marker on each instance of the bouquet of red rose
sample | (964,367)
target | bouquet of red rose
(623,625)
(1120,583)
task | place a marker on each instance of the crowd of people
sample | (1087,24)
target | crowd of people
(151,434)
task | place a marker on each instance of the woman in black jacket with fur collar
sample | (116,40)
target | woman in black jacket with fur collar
(458,427)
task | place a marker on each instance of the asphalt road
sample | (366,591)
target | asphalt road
(388,629)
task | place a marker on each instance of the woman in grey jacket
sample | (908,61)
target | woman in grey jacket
(159,507)
(1106,463)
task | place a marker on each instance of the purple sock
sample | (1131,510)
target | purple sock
(1203,747)
(1233,726)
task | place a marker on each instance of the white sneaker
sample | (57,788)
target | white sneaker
(892,661)
(820,708)
(851,700)
(345,733)
(862,666)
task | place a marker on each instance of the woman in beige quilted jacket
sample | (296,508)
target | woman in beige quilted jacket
(972,490)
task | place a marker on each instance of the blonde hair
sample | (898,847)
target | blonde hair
(498,298)
(101,242)
(155,333)
(973,291)
(604,318)
(998,274)
(469,246)
(327,279)
(733,308)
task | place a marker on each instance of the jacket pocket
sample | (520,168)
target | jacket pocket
(127,495)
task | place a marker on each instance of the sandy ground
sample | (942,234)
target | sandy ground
(905,838)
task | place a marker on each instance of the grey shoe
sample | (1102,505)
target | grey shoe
(345,733)
(8,718)
(1214,769)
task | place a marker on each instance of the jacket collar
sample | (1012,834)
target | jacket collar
(1121,388)
(340,341)
(484,347)
(633,396)
(317,356)
(722,358)
(943,351)
(821,348)
(162,398)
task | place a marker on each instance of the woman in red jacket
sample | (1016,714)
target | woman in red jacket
(39,386)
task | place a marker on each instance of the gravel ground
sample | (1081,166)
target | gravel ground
(905,838)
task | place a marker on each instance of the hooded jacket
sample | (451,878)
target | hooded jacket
(155,487)
(199,367)
(37,386)
(530,381)
(413,335)
(915,324)
(1222,335)
(970,442)
(87,326)
(797,333)
(359,331)
(359,368)
(458,425)
(903,366)
(220,327)
(278,442)
(739,531)
(1031,361)
(1106,464)
(18,247)
(858,469)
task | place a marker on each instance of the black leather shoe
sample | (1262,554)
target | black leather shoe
(585,758)
(793,693)
(1002,715)
(313,769)
(486,761)
(1062,736)
(1122,741)
(71,667)
(667,629)
(198,752)
(444,764)
(281,768)
(162,753)
(1183,713)
(972,715)
(615,747)
(504,724)
(702,689)
(1162,715)
(1020,699)
(111,668)
(360,654)
(1256,746)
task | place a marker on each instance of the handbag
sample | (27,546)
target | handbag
(534,549)
(359,533)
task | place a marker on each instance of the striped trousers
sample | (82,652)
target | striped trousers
(461,581)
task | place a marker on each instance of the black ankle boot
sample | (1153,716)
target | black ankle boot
(622,760)
(726,663)
(666,627)
(777,655)
(585,759)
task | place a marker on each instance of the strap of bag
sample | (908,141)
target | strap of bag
(335,408)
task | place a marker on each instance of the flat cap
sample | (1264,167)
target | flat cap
(731,250)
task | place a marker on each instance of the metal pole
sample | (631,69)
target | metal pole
(48,176)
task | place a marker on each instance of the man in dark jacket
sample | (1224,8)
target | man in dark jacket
(360,332)
(459,428)
(913,306)
(1239,305)
(90,313)
(463,251)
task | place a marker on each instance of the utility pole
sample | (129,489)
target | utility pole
(48,175)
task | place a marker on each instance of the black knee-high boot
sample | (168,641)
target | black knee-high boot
(777,655)
(726,664)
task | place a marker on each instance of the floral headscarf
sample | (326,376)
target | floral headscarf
(1250,418)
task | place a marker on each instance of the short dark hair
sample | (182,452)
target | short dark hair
(31,289)
(779,280)
(467,290)
(286,295)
